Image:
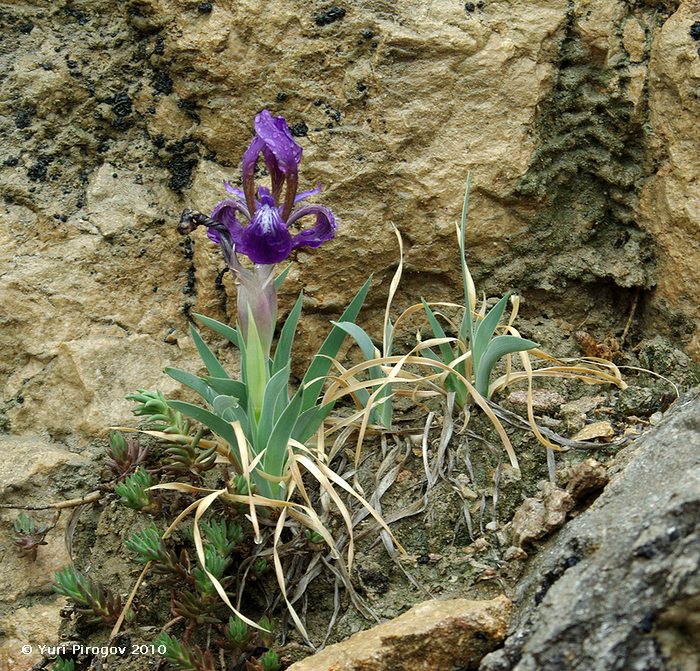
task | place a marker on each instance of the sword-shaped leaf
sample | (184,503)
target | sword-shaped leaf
(193,382)
(283,351)
(497,348)
(321,363)
(210,361)
(486,329)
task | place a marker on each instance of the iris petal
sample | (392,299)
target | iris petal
(235,191)
(321,232)
(225,213)
(277,138)
(266,239)
(306,194)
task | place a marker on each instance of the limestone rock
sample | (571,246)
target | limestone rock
(93,375)
(392,106)
(669,205)
(543,400)
(34,626)
(37,472)
(586,478)
(602,430)
(432,636)
(617,588)
(538,516)
(37,468)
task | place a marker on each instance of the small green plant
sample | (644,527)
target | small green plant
(89,595)
(124,455)
(183,656)
(476,349)
(269,661)
(190,459)
(148,546)
(215,565)
(237,632)
(159,415)
(223,535)
(63,664)
(260,567)
(313,537)
(30,535)
(133,491)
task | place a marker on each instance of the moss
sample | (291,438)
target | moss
(580,191)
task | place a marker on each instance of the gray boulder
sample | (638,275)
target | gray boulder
(619,587)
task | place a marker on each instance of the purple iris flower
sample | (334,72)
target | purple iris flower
(270,213)
(268,238)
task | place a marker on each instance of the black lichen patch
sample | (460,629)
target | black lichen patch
(121,104)
(180,168)
(190,108)
(23,117)
(38,170)
(205,7)
(329,16)
(81,17)
(299,129)
(162,82)
(183,157)
(695,31)
(374,581)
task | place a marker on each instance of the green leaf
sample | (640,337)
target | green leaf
(446,351)
(227,407)
(309,420)
(224,385)
(321,363)
(497,348)
(276,454)
(429,354)
(210,361)
(224,330)
(275,388)
(218,425)
(256,370)
(282,276)
(359,335)
(466,328)
(193,382)
(388,338)
(485,330)
(382,414)
(283,351)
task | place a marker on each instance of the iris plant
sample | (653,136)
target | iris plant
(262,427)
(259,401)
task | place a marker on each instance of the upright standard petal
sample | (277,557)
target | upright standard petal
(278,140)
(266,239)
(250,158)
(321,232)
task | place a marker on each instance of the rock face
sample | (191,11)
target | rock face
(40,473)
(577,120)
(669,205)
(619,587)
(432,636)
